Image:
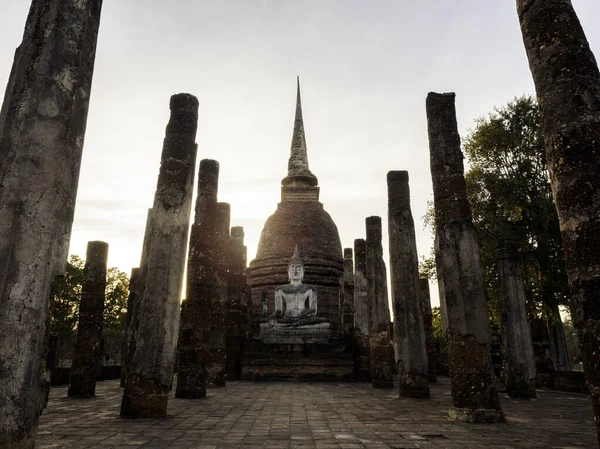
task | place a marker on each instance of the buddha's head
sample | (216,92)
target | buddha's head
(296,267)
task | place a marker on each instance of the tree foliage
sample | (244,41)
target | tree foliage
(66,295)
(511,201)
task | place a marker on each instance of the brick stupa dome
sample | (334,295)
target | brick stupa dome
(299,220)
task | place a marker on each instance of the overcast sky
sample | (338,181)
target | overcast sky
(365,69)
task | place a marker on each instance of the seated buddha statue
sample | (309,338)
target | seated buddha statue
(300,301)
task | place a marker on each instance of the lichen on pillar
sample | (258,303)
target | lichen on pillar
(465,319)
(426,313)
(347,295)
(42,129)
(567,83)
(196,315)
(86,358)
(217,362)
(362,362)
(518,357)
(130,324)
(238,293)
(409,332)
(382,352)
(151,363)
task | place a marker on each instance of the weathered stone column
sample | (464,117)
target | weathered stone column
(150,369)
(196,316)
(382,351)
(559,352)
(409,332)
(519,361)
(425,303)
(347,294)
(130,324)
(237,319)
(86,358)
(567,83)
(42,128)
(460,276)
(217,362)
(362,363)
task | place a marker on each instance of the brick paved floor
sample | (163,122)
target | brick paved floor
(318,415)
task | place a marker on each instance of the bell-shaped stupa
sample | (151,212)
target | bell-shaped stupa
(299,220)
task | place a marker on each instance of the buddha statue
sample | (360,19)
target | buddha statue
(300,301)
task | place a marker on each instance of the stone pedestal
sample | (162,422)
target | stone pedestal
(465,317)
(382,352)
(87,354)
(42,128)
(306,361)
(152,361)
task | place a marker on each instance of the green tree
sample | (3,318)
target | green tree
(115,304)
(511,202)
(64,299)
(64,308)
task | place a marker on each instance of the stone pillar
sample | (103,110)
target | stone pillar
(196,316)
(409,332)
(86,358)
(150,369)
(460,276)
(42,128)
(425,303)
(237,320)
(519,360)
(567,83)
(217,362)
(130,324)
(362,363)
(559,352)
(347,294)
(382,352)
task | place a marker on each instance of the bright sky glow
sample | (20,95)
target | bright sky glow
(365,69)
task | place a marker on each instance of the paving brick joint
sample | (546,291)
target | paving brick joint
(306,415)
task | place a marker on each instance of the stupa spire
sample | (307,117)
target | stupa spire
(298,171)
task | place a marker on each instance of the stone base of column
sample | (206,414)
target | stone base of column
(216,368)
(473,383)
(413,385)
(362,357)
(83,385)
(518,387)
(382,358)
(144,398)
(17,441)
(191,383)
(476,416)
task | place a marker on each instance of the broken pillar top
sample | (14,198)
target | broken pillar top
(208,177)
(373,225)
(184,115)
(447,168)
(347,253)
(398,187)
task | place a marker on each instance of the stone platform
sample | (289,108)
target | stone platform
(333,361)
(278,415)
